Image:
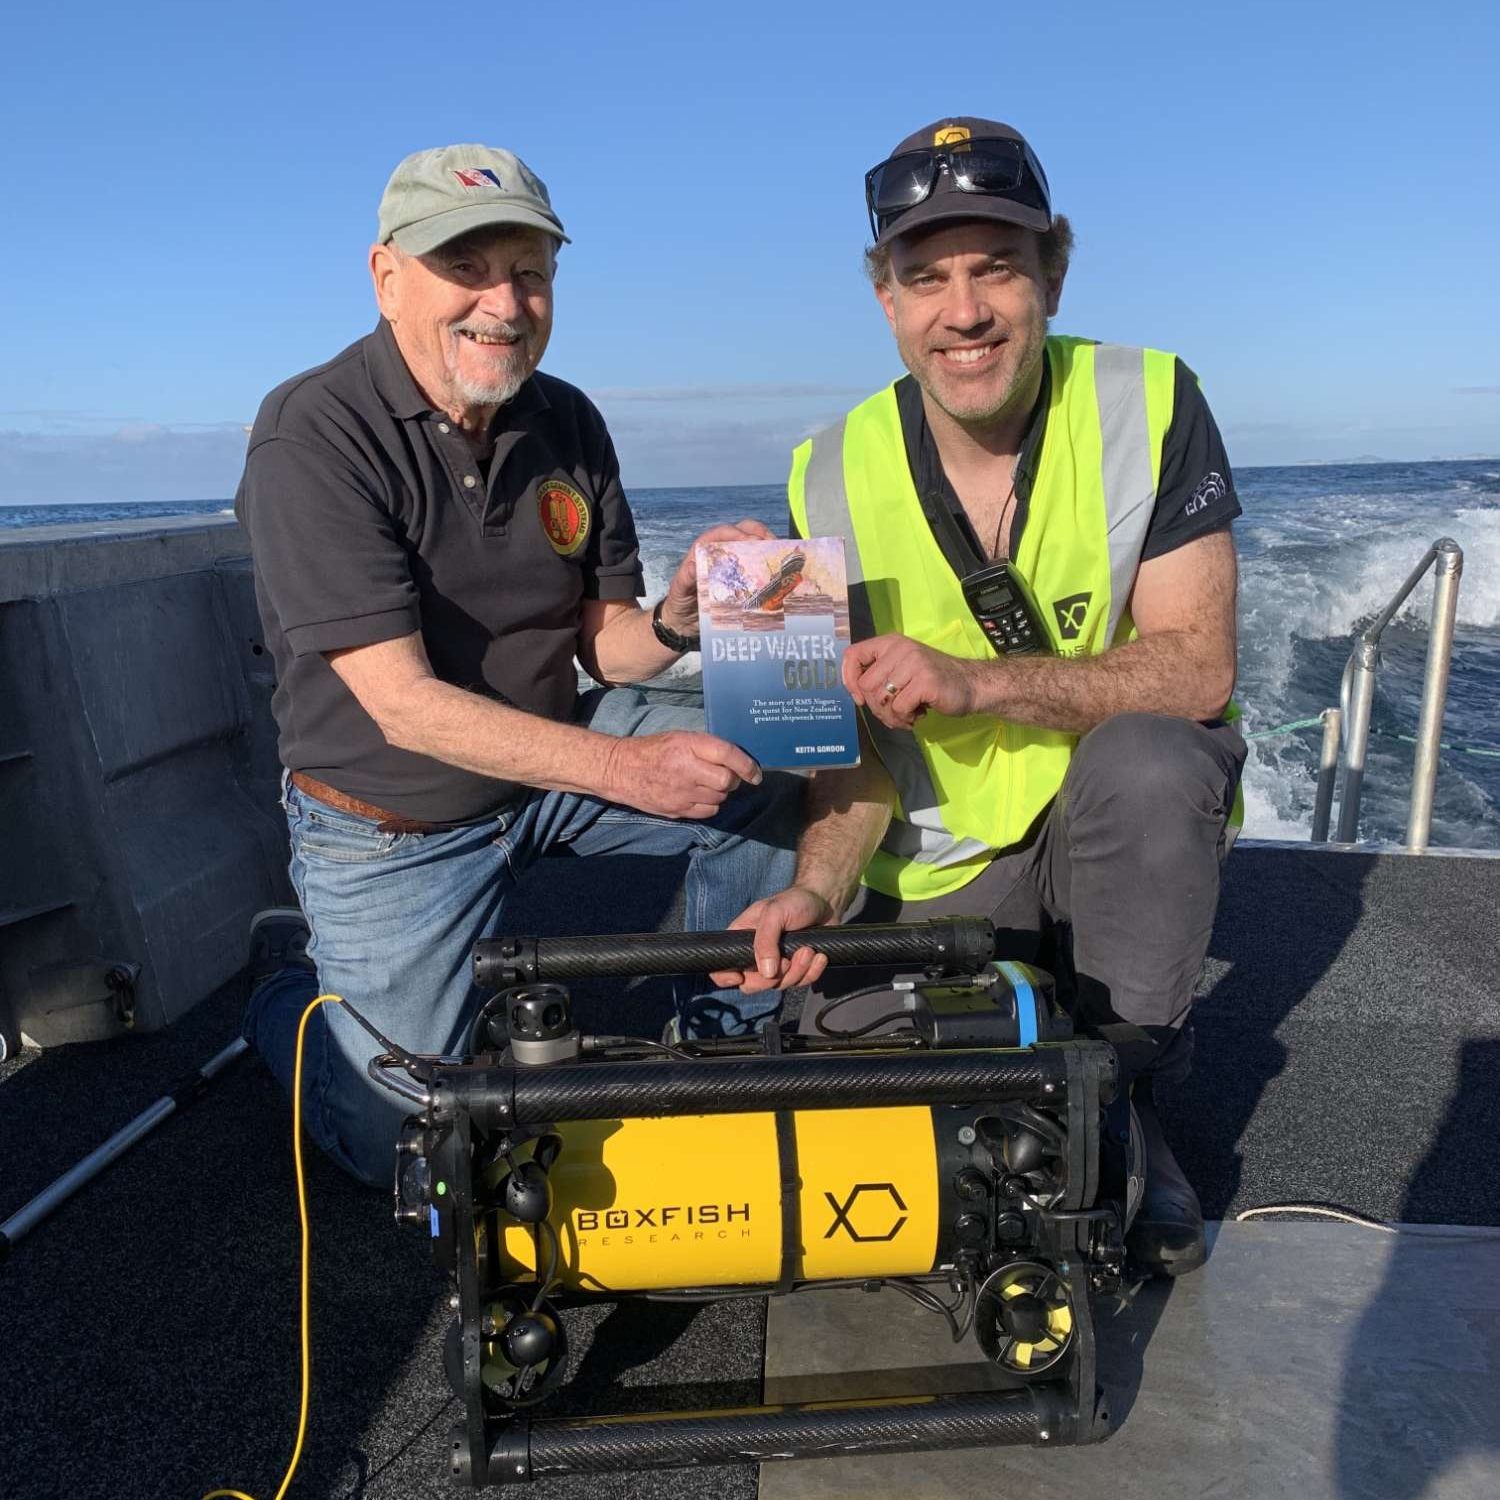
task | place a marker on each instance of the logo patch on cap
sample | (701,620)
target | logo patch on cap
(564,515)
(478,177)
(950,135)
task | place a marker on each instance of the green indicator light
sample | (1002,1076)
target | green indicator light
(442,1188)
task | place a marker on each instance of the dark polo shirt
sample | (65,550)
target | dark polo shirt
(370,517)
(1194,494)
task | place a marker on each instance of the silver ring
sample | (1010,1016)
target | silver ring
(891,690)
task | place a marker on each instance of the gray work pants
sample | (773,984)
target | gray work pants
(1116,888)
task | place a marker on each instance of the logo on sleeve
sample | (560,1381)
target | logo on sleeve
(1211,489)
(1071,613)
(564,515)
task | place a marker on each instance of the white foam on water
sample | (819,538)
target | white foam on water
(1329,590)
(659,568)
(1316,570)
(1377,566)
(660,555)
(1478,533)
(1277,804)
(1320,571)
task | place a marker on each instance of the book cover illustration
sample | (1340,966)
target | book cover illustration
(774,618)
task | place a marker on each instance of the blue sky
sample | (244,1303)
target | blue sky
(1302,200)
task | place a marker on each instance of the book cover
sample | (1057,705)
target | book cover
(774,620)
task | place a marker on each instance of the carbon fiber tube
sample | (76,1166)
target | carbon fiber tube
(669,1440)
(953,945)
(722,1086)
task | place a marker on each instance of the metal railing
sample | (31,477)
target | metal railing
(1357,695)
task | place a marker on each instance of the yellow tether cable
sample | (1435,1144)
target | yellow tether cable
(291,1468)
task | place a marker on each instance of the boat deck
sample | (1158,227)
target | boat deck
(1348,1050)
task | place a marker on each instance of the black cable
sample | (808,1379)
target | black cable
(361,1489)
(1077,1215)
(923,1298)
(1067,1215)
(859,1031)
(971,1297)
(1042,1124)
(865,1030)
(419,1067)
(547,1282)
(730,1294)
(544,1285)
(595,1043)
(490,1006)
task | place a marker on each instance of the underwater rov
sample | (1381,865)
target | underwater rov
(961,1157)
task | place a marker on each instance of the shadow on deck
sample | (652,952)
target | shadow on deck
(1347,1047)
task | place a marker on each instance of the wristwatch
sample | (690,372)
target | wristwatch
(669,637)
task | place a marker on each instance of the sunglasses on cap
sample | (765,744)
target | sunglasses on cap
(994,166)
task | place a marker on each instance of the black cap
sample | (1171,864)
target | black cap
(1030,206)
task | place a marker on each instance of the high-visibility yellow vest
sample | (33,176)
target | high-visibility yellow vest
(967,787)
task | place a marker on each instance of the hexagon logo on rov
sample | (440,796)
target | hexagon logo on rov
(871,1213)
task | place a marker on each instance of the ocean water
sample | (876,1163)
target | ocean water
(1322,550)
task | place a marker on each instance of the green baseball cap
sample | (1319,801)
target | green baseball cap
(435,196)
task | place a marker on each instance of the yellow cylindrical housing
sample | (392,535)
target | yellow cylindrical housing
(696,1200)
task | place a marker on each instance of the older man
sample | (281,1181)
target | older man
(438,529)
(1046,600)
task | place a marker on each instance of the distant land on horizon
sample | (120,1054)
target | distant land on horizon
(1371,458)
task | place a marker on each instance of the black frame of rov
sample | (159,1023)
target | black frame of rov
(1030,1155)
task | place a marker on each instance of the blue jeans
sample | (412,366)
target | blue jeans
(394,917)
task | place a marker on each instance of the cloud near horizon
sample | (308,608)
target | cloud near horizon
(715,435)
(669,393)
(139,461)
(666,437)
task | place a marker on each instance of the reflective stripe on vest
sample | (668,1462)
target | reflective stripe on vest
(967,787)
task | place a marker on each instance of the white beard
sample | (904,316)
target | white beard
(503,386)
(494,392)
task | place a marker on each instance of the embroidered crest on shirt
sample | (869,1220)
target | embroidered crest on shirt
(564,515)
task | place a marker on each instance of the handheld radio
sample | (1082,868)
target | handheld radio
(996,593)
(998,600)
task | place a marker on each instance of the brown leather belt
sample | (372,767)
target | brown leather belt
(385,822)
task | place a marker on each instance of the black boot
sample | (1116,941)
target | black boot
(1167,1236)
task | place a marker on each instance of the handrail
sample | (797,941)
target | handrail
(1328,769)
(1357,695)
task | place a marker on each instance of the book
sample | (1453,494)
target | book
(774,622)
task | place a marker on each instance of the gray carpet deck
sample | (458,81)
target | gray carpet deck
(1364,1378)
(1349,1044)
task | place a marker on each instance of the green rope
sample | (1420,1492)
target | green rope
(1374,734)
(1262,734)
(1444,745)
(1296,724)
